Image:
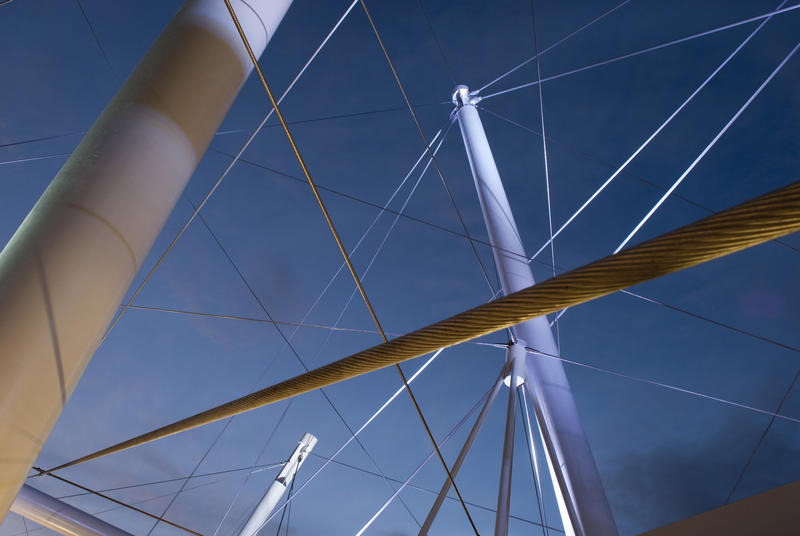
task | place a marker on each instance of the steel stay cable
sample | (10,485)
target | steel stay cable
(443,441)
(121,503)
(466,232)
(754,222)
(432,492)
(566,37)
(653,135)
(294,352)
(644,51)
(425,141)
(589,156)
(224,174)
(328,219)
(546,167)
(252,469)
(385,209)
(366,423)
(663,385)
(707,148)
(322,293)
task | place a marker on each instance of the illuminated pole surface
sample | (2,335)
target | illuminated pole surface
(274,493)
(66,269)
(59,516)
(582,501)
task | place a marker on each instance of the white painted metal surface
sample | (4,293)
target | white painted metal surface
(582,500)
(68,266)
(279,486)
(59,516)
(516,356)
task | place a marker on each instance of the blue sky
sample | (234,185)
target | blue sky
(662,455)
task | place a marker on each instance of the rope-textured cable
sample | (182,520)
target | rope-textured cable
(751,223)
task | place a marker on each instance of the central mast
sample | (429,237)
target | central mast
(581,499)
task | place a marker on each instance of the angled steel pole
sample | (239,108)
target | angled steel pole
(516,360)
(260,514)
(66,269)
(473,433)
(59,516)
(582,500)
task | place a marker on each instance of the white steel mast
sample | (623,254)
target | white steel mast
(68,266)
(582,501)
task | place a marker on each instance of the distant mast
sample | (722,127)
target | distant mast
(66,269)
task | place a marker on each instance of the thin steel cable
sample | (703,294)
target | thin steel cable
(94,35)
(466,232)
(331,225)
(751,223)
(663,385)
(707,148)
(762,437)
(294,352)
(255,319)
(626,172)
(432,492)
(537,485)
(657,131)
(426,142)
(544,152)
(645,50)
(149,499)
(376,205)
(374,416)
(408,480)
(222,177)
(305,316)
(252,469)
(317,300)
(32,159)
(429,23)
(566,37)
(280,523)
(123,504)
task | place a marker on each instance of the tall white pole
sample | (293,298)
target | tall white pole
(583,504)
(59,516)
(278,487)
(67,267)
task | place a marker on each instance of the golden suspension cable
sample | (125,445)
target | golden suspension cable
(751,223)
(342,249)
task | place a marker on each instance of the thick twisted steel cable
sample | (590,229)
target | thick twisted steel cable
(335,234)
(748,224)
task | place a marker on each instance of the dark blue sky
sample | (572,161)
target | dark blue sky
(662,455)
